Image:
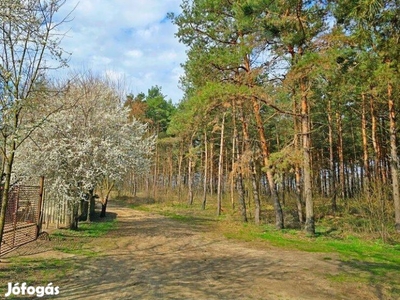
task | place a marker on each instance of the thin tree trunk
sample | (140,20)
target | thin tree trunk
(394,159)
(256,195)
(179,180)
(233,167)
(211,167)
(341,155)
(203,206)
(155,175)
(239,168)
(366,179)
(253,170)
(297,169)
(332,178)
(105,199)
(375,141)
(220,167)
(190,178)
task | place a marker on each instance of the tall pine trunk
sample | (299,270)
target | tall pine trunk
(252,166)
(341,155)
(307,181)
(203,205)
(394,159)
(190,174)
(239,169)
(220,167)
(375,141)
(366,179)
(297,168)
(332,177)
(279,223)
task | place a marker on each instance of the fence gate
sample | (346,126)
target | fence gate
(23,217)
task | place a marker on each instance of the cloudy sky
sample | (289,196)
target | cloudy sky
(130,40)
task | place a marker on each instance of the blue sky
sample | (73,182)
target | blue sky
(129,40)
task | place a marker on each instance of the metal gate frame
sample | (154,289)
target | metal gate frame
(23,216)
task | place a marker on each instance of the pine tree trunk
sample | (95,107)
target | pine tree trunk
(341,155)
(155,175)
(220,167)
(233,160)
(211,168)
(366,179)
(253,170)
(279,223)
(203,205)
(257,203)
(394,159)
(190,180)
(375,141)
(307,184)
(332,178)
(297,169)
(179,180)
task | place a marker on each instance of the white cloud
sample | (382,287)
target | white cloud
(134,53)
(132,38)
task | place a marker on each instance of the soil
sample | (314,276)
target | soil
(152,257)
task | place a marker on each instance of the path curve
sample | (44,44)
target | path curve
(152,257)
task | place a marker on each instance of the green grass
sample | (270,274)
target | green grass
(35,271)
(349,247)
(92,229)
(77,241)
(140,207)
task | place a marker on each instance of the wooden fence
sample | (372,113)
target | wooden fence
(23,216)
(56,213)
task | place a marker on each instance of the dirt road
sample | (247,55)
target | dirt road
(152,257)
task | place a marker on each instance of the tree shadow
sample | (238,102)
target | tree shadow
(133,200)
(110,216)
(384,277)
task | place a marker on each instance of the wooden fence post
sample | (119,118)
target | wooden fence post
(39,207)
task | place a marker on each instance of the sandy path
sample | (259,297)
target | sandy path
(152,257)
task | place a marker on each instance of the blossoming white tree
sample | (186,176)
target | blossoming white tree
(92,144)
(29,40)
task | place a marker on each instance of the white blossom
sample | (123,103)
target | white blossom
(90,141)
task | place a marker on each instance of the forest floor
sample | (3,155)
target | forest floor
(149,256)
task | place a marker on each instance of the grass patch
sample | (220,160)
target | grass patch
(77,241)
(140,207)
(35,271)
(92,229)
